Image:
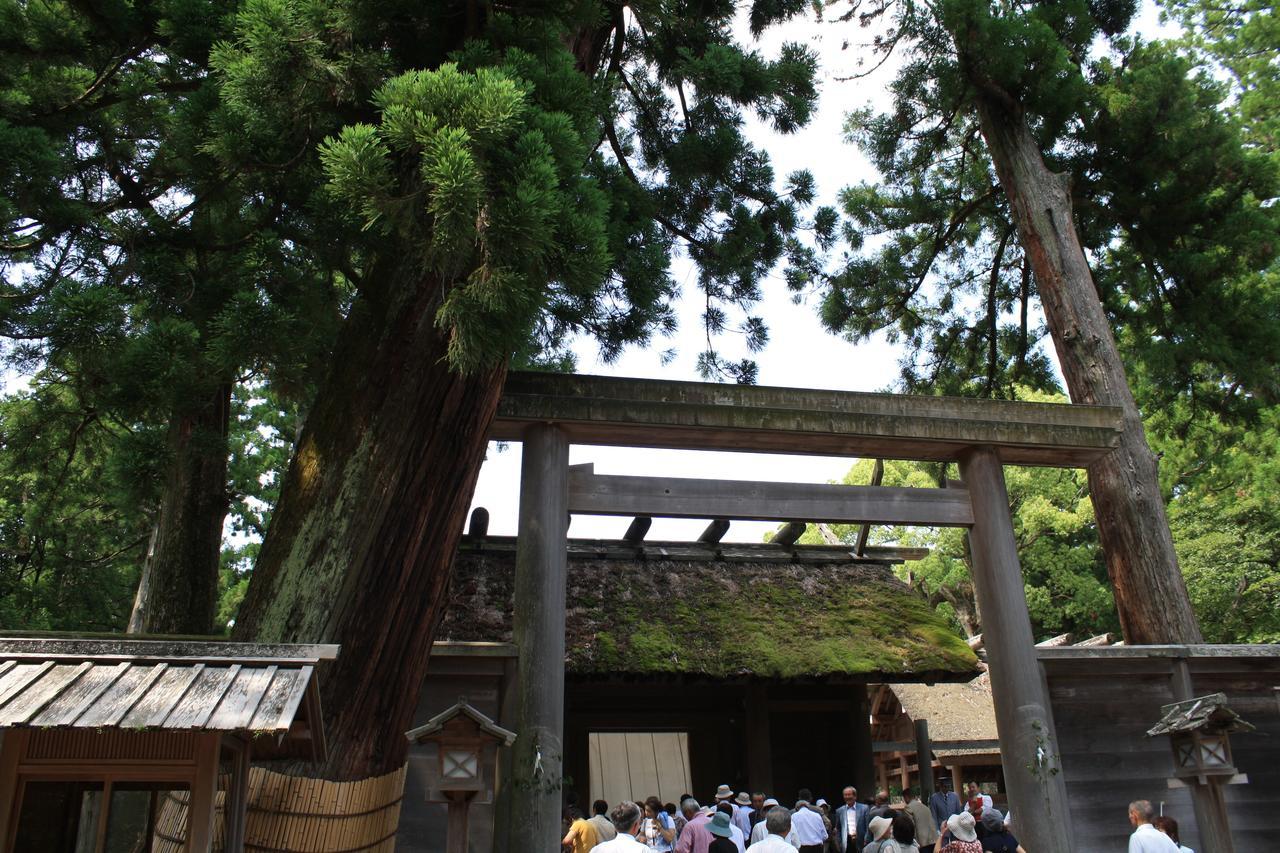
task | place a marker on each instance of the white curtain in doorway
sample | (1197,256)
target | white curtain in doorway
(636,765)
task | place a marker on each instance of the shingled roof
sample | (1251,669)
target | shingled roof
(720,611)
(131,684)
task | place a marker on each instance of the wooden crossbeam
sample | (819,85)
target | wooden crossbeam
(660,413)
(937,745)
(673,497)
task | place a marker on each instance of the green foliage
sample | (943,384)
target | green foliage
(494,196)
(1064,575)
(71,536)
(543,189)
(1240,39)
(1178,211)
(1174,207)
(1224,510)
(140,274)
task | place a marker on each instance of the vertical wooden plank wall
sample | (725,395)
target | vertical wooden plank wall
(1103,709)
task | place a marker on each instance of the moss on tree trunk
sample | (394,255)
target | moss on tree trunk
(369,518)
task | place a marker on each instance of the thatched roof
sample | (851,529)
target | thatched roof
(956,712)
(757,612)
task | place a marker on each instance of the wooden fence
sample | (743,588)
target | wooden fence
(294,814)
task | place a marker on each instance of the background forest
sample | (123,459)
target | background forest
(174,282)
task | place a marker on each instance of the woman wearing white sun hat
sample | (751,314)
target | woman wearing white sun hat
(964,838)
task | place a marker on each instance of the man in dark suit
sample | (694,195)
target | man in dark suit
(847,841)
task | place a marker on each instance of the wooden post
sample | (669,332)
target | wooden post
(864,759)
(508,696)
(904,774)
(204,789)
(538,631)
(957,781)
(459,823)
(236,802)
(1028,744)
(924,760)
(1211,817)
(759,745)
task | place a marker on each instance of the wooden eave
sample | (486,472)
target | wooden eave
(697,415)
(243,689)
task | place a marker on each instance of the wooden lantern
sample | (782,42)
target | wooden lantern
(1198,731)
(466,742)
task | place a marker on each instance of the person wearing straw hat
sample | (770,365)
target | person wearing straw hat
(722,828)
(960,829)
(742,812)
(879,828)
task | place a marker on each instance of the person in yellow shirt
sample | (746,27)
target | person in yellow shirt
(582,835)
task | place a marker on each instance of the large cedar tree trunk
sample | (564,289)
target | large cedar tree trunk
(178,592)
(1150,593)
(370,514)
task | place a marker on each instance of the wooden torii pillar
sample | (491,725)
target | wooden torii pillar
(1028,744)
(538,630)
(547,411)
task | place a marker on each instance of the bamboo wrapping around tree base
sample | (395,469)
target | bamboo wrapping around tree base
(299,815)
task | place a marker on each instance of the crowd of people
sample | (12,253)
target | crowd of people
(741,822)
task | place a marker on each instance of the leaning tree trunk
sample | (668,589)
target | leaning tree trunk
(1150,593)
(370,515)
(178,591)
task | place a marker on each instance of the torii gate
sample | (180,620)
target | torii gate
(548,412)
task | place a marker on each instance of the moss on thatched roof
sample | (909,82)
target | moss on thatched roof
(719,618)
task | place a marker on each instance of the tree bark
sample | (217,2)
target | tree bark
(178,591)
(370,514)
(1150,593)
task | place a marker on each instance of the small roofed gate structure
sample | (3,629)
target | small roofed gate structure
(548,412)
(119,744)
(963,741)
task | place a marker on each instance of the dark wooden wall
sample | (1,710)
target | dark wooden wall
(424,825)
(811,735)
(1102,710)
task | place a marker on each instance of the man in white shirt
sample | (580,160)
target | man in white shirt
(760,831)
(975,791)
(810,830)
(1146,838)
(777,822)
(625,818)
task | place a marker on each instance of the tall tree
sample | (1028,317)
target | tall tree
(512,177)
(139,265)
(1020,77)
